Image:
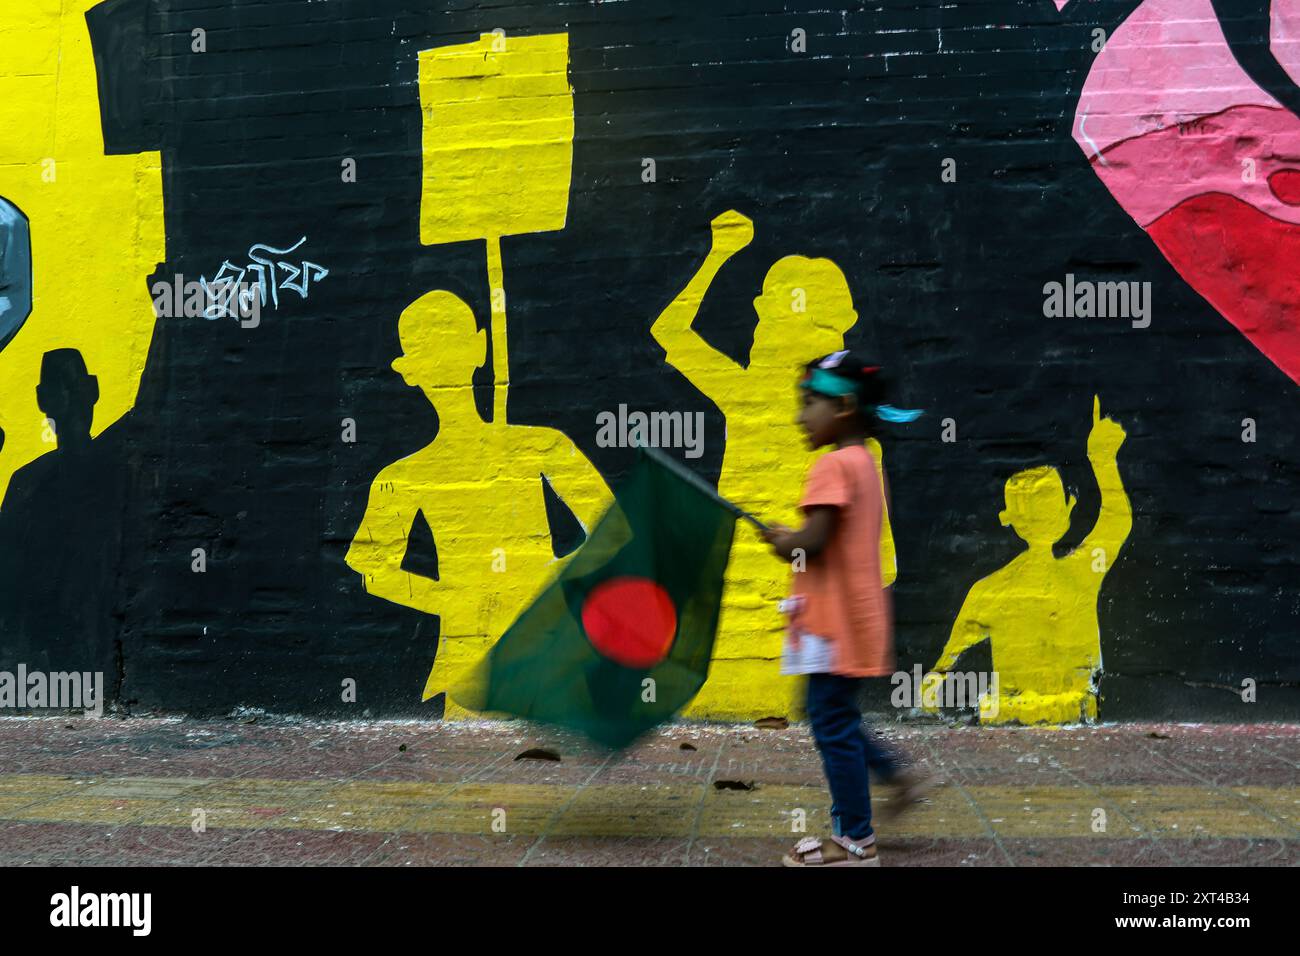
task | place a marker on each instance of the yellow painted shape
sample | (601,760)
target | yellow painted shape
(497,137)
(39,786)
(1194,812)
(78,809)
(387,794)
(145,788)
(1281,802)
(804,311)
(97,229)
(662,810)
(479,486)
(1039,612)
(258,792)
(606,811)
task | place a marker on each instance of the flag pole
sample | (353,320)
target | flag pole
(695,481)
(497,330)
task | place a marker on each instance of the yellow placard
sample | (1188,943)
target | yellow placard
(497,137)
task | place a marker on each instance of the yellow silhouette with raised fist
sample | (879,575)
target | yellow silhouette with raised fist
(804,311)
(1039,613)
(479,487)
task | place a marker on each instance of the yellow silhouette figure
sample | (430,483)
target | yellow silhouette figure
(479,487)
(89,289)
(1040,612)
(497,160)
(804,311)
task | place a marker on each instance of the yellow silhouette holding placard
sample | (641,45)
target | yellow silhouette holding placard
(804,311)
(1039,613)
(89,288)
(498,131)
(479,487)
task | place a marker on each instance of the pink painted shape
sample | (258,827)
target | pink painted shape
(1060,4)
(1168,120)
(1284,29)
(1166,113)
(1154,173)
(1168,63)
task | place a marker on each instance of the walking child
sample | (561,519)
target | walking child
(840,620)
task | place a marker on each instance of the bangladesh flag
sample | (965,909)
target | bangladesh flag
(621,640)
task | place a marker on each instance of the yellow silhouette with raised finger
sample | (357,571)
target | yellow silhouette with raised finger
(1039,613)
(804,311)
(498,156)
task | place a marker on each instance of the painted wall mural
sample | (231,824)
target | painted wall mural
(1204,156)
(337,505)
(85,283)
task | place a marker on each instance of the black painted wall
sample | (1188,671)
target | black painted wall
(837,152)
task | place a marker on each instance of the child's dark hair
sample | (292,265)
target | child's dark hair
(872,386)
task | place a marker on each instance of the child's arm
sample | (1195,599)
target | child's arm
(811,539)
(1115,518)
(686,351)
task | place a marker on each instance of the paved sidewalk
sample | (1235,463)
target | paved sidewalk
(79,791)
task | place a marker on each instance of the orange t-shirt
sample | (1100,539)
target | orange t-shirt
(843,599)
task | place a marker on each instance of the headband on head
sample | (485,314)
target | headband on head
(833,386)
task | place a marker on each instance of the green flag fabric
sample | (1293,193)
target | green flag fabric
(621,640)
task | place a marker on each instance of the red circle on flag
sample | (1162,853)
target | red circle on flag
(630,620)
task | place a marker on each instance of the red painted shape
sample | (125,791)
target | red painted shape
(1243,263)
(1285,184)
(630,620)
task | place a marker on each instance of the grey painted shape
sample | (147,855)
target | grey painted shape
(15,270)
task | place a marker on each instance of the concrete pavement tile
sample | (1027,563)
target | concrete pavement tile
(298,848)
(1226,851)
(134,845)
(51,842)
(535,773)
(38,786)
(1281,803)
(145,788)
(596,851)
(1038,811)
(477,808)
(105,811)
(1086,851)
(622,811)
(938,851)
(387,793)
(1189,812)
(649,775)
(92,845)
(480,820)
(766,811)
(946,813)
(442,849)
(742,851)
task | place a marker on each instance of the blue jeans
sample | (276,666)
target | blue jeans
(848,752)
